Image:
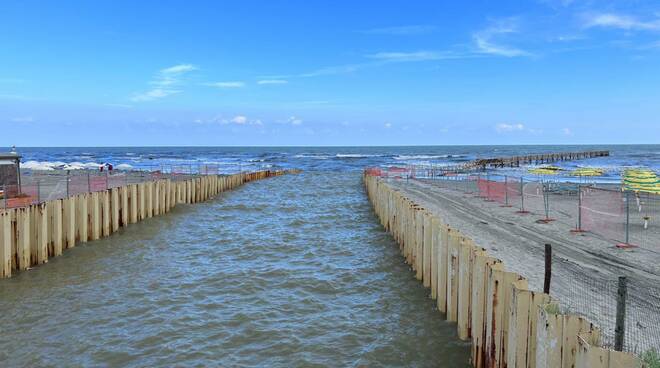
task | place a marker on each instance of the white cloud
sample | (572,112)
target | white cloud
(567,131)
(23,119)
(412,56)
(272,81)
(178,69)
(620,21)
(388,125)
(294,121)
(154,94)
(402,30)
(505,128)
(486,45)
(232,84)
(239,119)
(164,83)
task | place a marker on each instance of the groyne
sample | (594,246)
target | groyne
(508,324)
(30,235)
(541,158)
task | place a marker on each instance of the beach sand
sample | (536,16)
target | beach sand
(585,267)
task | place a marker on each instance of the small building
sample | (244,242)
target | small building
(10,173)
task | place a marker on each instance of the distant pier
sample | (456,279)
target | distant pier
(544,158)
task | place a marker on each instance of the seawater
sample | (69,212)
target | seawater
(330,159)
(289,271)
(292,271)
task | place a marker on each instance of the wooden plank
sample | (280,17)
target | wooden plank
(518,326)
(435,239)
(538,300)
(442,268)
(426,253)
(42,233)
(5,243)
(142,201)
(69,221)
(124,207)
(134,213)
(466,250)
(549,337)
(156,197)
(494,313)
(23,238)
(94,216)
(452,276)
(57,230)
(478,299)
(115,206)
(104,200)
(149,191)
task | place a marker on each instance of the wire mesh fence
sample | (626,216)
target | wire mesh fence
(598,299)
(603,211)
(39,186)
(624,218)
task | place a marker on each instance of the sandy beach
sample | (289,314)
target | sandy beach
(585,267)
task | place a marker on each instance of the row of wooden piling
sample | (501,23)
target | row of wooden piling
(508,324)
(30,235)
(540,158)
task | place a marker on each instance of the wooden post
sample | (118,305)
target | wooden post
(57,233)
(69,222)
(548,268)
(620,328)
(5,243)
(452,277)
(426,257)
(105,215)
(23,238)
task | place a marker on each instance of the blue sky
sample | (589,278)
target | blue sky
(113,73)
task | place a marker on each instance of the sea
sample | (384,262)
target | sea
(328,159)
(291,271)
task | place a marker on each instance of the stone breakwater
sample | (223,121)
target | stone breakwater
(507,324)
(30,235)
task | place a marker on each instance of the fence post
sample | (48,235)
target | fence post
(579,193)
(548,269)
(620,329)
(106,180)
(89,186)
(38,191)
(627,217)
(506,191)
(68,172)
(4,195)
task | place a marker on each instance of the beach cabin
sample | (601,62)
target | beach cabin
(10,174)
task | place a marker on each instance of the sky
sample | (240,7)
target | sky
(279,73)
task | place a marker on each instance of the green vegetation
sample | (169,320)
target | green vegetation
(651,358)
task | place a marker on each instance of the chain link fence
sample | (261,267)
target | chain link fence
(622,218)
(39,186)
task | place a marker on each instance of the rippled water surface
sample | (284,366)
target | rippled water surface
(289,271)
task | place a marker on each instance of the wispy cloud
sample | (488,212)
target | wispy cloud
(272,81)
(331,70)
(401,30)
(413,56)
(165,83)
(485,39)
(567,132)
(295,120)
(23,119)
(233,84)
(506,128)
(620,21)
